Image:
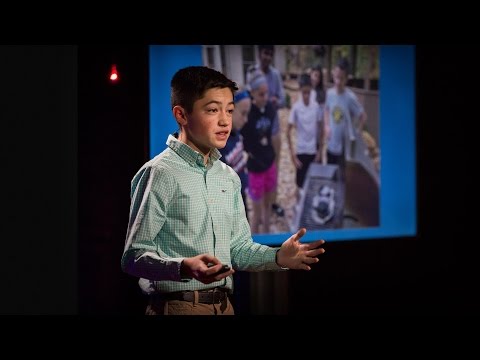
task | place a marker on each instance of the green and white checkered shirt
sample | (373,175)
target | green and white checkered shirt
(182,208)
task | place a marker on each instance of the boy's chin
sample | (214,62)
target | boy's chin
(220,144)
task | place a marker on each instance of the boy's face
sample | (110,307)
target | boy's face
(305,90)
(339,78)
(210,122)
(266,57)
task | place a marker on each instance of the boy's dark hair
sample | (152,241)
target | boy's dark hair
(266,47)
(190,84)
(304,80)
(343,64)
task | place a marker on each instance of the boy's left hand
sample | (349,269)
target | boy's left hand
(295,255)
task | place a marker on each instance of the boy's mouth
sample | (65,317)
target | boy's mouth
(222,134)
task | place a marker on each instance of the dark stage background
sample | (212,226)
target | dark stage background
(434,273)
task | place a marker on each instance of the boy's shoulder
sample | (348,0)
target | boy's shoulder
(159,162)
(161,159)
(350,93)
(276,72)
(297,104)
(331,91)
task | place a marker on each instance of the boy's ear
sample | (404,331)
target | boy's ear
(180,115)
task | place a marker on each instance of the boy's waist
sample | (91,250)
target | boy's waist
(210,296)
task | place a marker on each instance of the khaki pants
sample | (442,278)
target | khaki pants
(179,307)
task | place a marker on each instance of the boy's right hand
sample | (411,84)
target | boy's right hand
(198,268)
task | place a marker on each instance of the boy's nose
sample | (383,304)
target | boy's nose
(224,119)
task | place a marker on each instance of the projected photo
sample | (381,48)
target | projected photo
(311,141)
(353,180)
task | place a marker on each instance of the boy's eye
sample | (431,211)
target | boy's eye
(231,111)
(212,110)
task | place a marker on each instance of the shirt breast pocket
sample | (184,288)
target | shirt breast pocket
(224,192)
(223,207)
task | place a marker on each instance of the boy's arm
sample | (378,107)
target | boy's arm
(293,153)
(291,124)
(326,125)
(290,141)
(150,265)
(150,199)
(277,94)
(325,133)
(362,120)
(357,111)
(281,91)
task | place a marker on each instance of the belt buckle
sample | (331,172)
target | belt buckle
(221,295)
(215,290)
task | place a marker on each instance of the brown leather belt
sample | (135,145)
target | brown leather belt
(212,296)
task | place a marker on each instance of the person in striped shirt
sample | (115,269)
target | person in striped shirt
(187,217)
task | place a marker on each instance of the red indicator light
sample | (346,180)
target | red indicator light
(114,73)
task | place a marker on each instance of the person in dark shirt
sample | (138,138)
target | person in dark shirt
(262,172)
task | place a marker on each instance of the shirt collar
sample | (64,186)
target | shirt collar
(188,154)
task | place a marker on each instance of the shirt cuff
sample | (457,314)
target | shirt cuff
(270,260)
(178,264)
